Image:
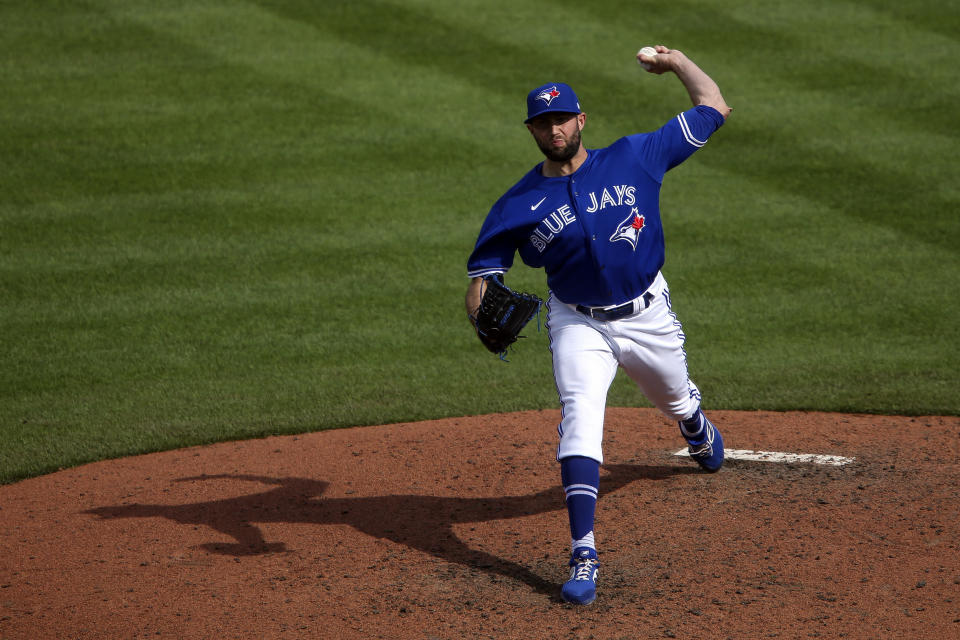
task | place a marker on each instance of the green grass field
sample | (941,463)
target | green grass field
(223,219)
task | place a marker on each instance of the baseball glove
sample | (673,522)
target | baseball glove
(502,314)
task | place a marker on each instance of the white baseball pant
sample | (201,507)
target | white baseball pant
(586,355)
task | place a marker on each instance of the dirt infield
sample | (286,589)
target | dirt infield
(456,529)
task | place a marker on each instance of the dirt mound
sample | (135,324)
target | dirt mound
(456,529)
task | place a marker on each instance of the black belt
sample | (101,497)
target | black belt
(608,314)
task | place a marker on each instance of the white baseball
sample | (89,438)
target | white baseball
(650,52)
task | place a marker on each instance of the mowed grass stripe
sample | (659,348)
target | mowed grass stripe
(352,337)
(358,73)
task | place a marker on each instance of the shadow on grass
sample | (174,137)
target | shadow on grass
(424,523)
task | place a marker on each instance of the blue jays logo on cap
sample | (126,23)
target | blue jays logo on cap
(548,95)
(553,96)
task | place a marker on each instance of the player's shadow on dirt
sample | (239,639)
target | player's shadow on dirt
(424,523)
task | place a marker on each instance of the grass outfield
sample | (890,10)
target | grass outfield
(228,219)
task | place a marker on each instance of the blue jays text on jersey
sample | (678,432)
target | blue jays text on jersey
(597,232)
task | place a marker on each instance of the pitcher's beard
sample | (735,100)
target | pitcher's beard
(564,153)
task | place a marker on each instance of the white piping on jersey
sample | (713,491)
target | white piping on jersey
(479,273)
(688,136)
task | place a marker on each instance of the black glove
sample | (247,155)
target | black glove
(503,313)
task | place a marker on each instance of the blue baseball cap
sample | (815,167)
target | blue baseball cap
(553,96)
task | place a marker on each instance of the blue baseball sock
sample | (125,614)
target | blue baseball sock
(692,428)
(581,482)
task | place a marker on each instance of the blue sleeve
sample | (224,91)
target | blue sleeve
(495,247)
(674,142)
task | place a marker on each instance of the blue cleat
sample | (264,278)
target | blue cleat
(707,450)
(581,588)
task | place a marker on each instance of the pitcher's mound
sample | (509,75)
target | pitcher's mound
(457,529)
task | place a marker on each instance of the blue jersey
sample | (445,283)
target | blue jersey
(597,232)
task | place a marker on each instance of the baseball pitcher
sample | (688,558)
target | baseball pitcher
(591,219)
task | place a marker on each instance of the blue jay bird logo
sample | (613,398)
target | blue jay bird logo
(630,228)
(548,95)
